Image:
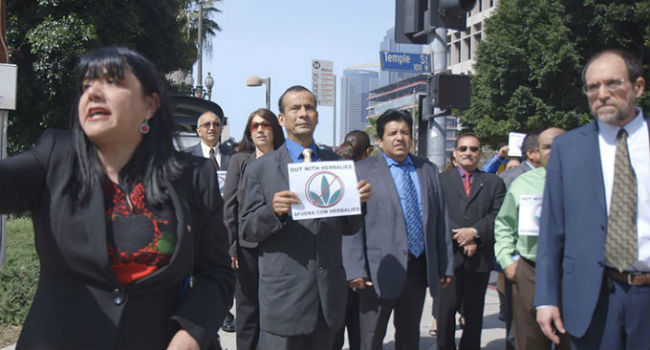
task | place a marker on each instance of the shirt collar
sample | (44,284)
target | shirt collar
(206,148)
(610,131)
(295,150)
(462,171)
(392,162)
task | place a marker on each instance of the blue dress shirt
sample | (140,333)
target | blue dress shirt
(295,151)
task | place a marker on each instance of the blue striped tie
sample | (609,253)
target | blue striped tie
(412,214)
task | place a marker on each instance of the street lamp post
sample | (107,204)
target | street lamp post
(255,80)
(209,83)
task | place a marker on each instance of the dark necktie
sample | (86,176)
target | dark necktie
(466,184)
(214,160)
(621,248)
(412,214)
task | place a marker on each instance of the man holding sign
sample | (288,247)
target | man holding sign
(302,283)
(516,228)
(403,246)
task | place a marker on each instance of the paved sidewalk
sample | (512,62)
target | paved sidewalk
(493,336)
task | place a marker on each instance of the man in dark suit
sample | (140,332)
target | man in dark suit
(302,283)
(530,151)
(209,128)
(403,245)
(473,199)
(593,255)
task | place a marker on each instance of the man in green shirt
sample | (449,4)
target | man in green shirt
(515,234)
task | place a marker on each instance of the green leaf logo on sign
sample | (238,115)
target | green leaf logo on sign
(324,189)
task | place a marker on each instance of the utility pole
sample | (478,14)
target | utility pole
(4,114)
(199,63)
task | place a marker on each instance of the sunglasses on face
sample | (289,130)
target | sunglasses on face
(264,125)
(473,149)
(207,125)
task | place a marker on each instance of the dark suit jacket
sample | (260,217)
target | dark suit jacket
(233,194)
(74,305)
(225,151)
(573,228)
(477,211)
(379,251)
(510,175)
(299,261)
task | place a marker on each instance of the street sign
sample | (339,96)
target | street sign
(323,82)
(405,62)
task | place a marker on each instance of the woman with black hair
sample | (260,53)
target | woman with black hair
(262,134)
(129,232)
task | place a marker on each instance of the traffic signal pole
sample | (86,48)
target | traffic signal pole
(436,144)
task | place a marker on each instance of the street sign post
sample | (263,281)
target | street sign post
(405,62)
(323,85)
(8,75)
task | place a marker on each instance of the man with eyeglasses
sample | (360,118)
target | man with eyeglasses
(593,254)
(209,127)
(473,200)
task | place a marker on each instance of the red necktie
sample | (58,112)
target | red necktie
(214,160)
(467,184)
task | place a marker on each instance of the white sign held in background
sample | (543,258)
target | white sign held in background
(221,179)
(530,212)
(515,139)
(325,189)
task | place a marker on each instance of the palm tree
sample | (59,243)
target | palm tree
(210,27)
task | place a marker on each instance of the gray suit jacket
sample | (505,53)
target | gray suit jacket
(510,175)
(379,250)
(299,261)
(225,151)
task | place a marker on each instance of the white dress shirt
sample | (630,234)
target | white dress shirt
(638,143)
(206,152)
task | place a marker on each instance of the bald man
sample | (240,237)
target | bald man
(516,253)
(209,127)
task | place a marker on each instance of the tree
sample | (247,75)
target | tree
(528,70)
(46,38)
(210,27)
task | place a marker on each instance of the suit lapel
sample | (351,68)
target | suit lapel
(457,184)
(424,189)
(477,186)
(283,161)
(95,226)
(385,180)
(593,161)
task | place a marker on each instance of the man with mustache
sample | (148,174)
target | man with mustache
(302,289)
(473,200)
(209,127)
(403,246)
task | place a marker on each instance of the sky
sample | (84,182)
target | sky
(279,39)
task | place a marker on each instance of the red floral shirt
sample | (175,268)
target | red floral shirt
(140,239)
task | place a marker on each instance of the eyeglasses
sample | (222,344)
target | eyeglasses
(473,149)
(264,125)
(612,85)
(207,125)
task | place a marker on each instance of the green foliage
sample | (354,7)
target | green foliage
(19,274)
(47,37)
(528,70)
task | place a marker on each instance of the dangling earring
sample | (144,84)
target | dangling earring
(144,128)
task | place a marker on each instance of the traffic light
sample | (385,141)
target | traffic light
(410,20)
(452,91)
(450,14)
(415,19)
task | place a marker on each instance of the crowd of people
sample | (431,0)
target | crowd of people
(139,250)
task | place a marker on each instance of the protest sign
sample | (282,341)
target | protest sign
(325,189)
